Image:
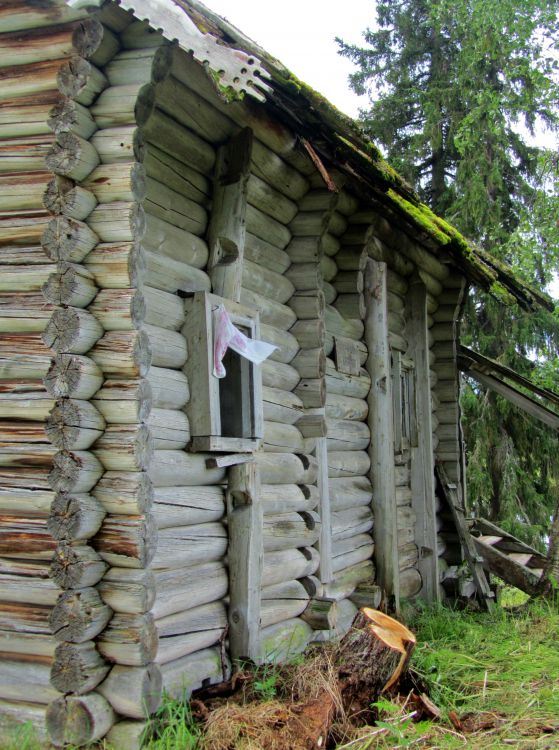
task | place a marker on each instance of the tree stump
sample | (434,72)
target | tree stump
(371,658)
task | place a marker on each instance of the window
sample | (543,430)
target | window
(403,394)
(225,413)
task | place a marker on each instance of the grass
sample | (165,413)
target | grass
(495,679)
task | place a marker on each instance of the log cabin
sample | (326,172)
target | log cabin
(158,523)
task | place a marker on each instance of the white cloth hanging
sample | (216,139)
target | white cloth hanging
(227,335)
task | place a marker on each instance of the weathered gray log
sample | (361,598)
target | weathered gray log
(281,601)
(74,471)
(183,506)
(23,312)
(345,407)
(172,242)
(63,196)
(124,493)
(27,582)
(176,468)
(282,438)
(76,566)
(285,639)
(124,448)
(72,330)
(75,517)
(346,434)
(168,347)
(282,468)
(72,156)
(281,406)
(114,145)
(22,191)
(68,239)
(119,221)
(25,500)
(169,388)
(128,590)
(321,614)
(170,429)
(283,498)
(77,668)
(350,305)
(129,639)
(139,66)
(350,492)
(174,208)
(117,182)
(188,673)
(74,424)
(24,680)
(347,464)
(72,375)
(356,386)
(351,521)
(271,312)
(123,354)
(114,106)
(190,545)
(116,266)
(80,80)
(180,142)
(119,309)
(268,283)
(177,591)
(162,167)
(127,541)
(133,691)
(79,616)
(70,285)
(305,276)
(183,633)
(25,154)
(124,401)
(67,115)
(24,278)
(78,720)
(312,392)
(279,375)
(308,305)
(265,254)
(328,268)
(309,333)
(174,275)
(338,326)
(310,363)
(290,530)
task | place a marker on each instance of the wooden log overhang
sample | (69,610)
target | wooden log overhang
(241,69)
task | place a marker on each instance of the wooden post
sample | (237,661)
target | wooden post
(381,426)
(227,227)
(422,458)
(246,560)
(325,540)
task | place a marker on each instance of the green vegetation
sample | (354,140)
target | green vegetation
(458,90)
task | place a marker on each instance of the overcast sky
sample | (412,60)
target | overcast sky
(300,33)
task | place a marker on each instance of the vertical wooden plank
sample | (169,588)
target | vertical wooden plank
(227,230)
(422,458)
(246,556)
(381,425)
(325,540)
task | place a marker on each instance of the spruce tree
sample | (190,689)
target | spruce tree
(457,89)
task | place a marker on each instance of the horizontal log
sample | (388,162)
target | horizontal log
(18,454)
(63,196)
(30,645)
(120,221)
(22,191)
(77,668)
(282,468)
(72,156)
(339,326)
(170,429)
(348,579)
(182,676)
(128,590)
(284,639)
(284,498)
(279,375)
(190,545)
(328,268)
(346,434)
(351,522)
(290,530)
(133,691)
(179,589)
(75,517)
(25,538)
(282,438)
(265,282)
(33,477)
(349,552)
(271,312)
(25,154)
(25,500)
(124,401)
(116,266)
(117,182)
(72,375)
(123,353)
(312,392)
(263,226)
(138,66)
(24,680)
(124,493)
(345,407)
(308,305)
(25,406)
(282,601)
(350,305)
(286,343)
(185,506)
(23,312)
(171,275)
(168,348)
(310,363)
(124,448)
(349,492)
(270,201)
(114,107)
(190,183)
(17,17)
(281,406)
(78,720)
(129,639)
(169,388)
(116,145)
(70,285)
(265,254)
(67,115)
(79,616)
(347,464)
(176,468)
(127,541)
(269,167)
(309,333)
(76,566)
(178,141)
(166,239)
(119,309)
(72,330)
(174,208)
(74,471)
(305,276)
(74,424)
(410,582)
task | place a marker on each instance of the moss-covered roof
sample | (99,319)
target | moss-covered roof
(339,140)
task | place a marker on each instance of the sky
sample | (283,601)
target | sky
(301,33)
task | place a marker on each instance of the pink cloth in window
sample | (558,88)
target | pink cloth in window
(227,335)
